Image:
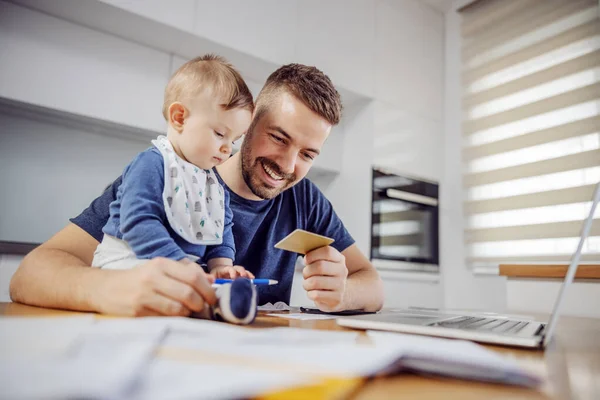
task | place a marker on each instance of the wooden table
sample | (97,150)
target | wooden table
(571,365)
(549,271)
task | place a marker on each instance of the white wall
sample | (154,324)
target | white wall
(350,192)
(525,295)
(52,172)
(458,282)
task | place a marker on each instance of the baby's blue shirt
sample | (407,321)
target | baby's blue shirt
(137,215)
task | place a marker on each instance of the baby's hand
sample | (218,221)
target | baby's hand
(231,272)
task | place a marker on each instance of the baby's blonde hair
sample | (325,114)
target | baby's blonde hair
(208,72)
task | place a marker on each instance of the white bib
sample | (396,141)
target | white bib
(193,198)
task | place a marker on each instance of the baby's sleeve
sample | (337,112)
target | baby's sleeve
(227,248)
(142,210)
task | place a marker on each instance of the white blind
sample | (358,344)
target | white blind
(531,146)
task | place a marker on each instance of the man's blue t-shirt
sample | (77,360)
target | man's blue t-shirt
(257,227)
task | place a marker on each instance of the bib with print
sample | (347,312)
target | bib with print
(193,198)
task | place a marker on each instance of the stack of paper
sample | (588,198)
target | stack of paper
(454,358)
(24,338)
(182,358)
(204,359)
(102,359)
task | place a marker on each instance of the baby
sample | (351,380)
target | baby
(170,203)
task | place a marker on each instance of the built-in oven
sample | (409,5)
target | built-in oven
(405,219)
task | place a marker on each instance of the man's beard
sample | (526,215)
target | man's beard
(251,171)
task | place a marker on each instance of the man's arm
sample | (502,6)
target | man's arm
(364,288)
(342,281)
(52,275)
(55,275)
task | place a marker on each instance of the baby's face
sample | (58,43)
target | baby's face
(209,131)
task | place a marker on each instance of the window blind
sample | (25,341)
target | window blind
(531,125)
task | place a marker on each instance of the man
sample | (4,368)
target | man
(294,114)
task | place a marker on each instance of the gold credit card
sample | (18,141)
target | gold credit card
(302,242)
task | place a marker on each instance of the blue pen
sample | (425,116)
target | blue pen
(255,281)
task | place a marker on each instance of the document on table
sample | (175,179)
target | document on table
(103,359)
(23,338)
(303,316)
(199,358)
(177,379)
(455,358)
(186,358)
(221,336)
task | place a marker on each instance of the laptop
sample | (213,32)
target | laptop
(486,328)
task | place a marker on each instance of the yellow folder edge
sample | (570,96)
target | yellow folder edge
(332,387)
(329,388)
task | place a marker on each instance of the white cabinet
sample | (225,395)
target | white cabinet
(53,63)
(177,13)
(404,290)
(536,296)
(337,36)
(409,59)
(262,28)
(407,143)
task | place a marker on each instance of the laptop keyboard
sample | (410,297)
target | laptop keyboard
(484,324)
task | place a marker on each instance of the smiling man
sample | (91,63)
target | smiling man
(269,197)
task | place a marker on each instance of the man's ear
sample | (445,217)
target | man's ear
(177,115)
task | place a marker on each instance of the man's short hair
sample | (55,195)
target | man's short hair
(309,85)
(208,72)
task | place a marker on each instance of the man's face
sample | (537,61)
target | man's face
(281,146)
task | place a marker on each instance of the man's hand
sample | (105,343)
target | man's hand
(158,287)
(325,278)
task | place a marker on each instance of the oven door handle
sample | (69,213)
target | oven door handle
(412,197)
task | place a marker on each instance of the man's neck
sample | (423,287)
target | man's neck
(231,173)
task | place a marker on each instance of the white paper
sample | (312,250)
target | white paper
(170,379)
(105,361)
(457,358)
(339,360)
(310,360)
(213,361)
(23,338)
(300,337)
(269,337)
(201,326)
(303,316)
